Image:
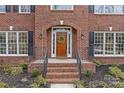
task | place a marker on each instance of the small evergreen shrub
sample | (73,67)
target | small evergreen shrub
(24,66)
(3,85)
(39,82)
(80,84)
(11,70)
(89,73)
(97,62)
(117,85)
(35,73)
(16,71)
(115,71)
(98,84)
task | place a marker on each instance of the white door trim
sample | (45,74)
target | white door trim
(69,40)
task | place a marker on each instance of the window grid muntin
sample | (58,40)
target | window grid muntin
(7,44)
(2,43)
(23,43)
(24,9)
(62,7)
(2,8)
(104,9)
(114,45)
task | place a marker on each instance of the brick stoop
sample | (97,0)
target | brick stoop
(62,73)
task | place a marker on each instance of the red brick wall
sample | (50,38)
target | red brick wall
(44,18)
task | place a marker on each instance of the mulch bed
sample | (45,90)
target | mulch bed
(100,73)
(16,81)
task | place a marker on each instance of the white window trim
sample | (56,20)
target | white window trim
(68,32)
(17,44)
(4,11)
(24,12)
(51,8)
(107,13)
(105,55)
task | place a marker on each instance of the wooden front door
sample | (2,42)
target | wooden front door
(61,44)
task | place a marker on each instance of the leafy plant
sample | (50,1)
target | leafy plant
(9,69)
(97,62)
(89,73)
(24,66)
(35,72)
(98,84)
(15,71)
(117,85)
(39,82)
(3,85)
(80,84)
(115,71)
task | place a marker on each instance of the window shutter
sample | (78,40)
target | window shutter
(91,45)
(91,8)
(30,43)
(15,8)
(32,7)
(123,8)
(8,8)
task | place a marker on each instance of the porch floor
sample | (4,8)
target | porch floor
(51,60)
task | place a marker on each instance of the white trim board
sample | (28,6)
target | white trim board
(53,44)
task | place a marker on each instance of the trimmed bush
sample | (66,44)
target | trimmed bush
(10,70)
(3,85)
(35,73)
(24,66)
(80,84)
(89,73)
(98,84)
(117,85)
(97,62)
(39,82)
(115,71)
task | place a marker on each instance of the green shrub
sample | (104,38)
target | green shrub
(97,62)
(117,85)
(24,66)
(98,84)
(3,85)
(7,68)
(15,71)
(10,70)
(39,82)
(35,72)
(79,84)
(89,73)
(115,71)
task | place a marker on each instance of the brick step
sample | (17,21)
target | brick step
(62,65)
(68,80)
(62,75)
(62,69)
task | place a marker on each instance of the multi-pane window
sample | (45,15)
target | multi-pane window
(98,46)
(24,9)
(13,43)
(2,8)
(108,9)
(23,43)
(108,43)
(2,43)
(62,7)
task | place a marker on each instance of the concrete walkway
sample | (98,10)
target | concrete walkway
(62,86)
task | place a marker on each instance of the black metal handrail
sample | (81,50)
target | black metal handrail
(79,64)
(45,62)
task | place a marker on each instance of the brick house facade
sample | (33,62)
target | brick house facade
(80,25)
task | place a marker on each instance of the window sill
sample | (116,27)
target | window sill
(108,14)
(13,55)
(61,10)
(108,55)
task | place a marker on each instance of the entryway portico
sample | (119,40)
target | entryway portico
(61,42)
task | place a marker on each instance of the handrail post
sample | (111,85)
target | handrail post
(79,65)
